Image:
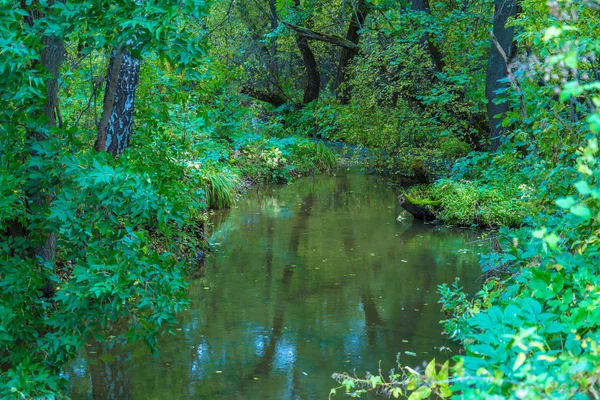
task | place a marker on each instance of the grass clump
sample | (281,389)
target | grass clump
(311,156)
(220,187)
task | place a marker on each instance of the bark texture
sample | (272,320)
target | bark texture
(52,57)
(497,68)
(114,130)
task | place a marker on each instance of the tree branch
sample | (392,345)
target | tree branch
(308,34)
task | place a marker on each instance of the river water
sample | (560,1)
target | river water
(305,280)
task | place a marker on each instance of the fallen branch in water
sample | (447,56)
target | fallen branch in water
(418,211)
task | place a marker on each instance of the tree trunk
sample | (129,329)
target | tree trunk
(313,78)
(426,41)
(496,69)
(356,24)
(114,130)
(51,58)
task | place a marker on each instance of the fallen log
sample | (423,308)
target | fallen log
(418,211)
(424,202)
(275,99)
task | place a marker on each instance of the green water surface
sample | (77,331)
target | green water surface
(305,280)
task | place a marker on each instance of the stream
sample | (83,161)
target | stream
(304,280)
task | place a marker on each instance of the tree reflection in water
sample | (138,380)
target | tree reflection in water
(310,278)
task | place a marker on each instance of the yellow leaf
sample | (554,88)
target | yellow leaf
(589,287)
(519,361)
(558,267)
(537,344)
(546,358)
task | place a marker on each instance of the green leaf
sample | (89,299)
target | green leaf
(571,59)
(583,188)
(582,212)
(566,202)
(594,121)
(521,357)
(348,383)
(421,393)
(375,380)
(430,370)
(570,89)
(552,32)
(552,240)
(443,374)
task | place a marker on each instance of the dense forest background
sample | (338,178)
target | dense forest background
(124,122)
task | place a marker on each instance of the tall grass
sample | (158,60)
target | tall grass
(221,187)
(308,156)
(324,157)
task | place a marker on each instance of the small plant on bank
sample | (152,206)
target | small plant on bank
(405,382)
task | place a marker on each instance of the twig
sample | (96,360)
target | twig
(220,24)
(511,75)
(89,103)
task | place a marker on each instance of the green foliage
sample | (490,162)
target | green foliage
(451,147)
(272,159)
(532,331)
(475,203)
(536,333)
(310,157)
(106,270)
(89,245)
(469,203)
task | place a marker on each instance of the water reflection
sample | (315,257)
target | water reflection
(308,279)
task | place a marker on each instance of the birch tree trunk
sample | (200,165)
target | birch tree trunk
(114,130)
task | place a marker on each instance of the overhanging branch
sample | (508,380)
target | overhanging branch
(308,34)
